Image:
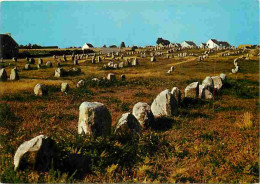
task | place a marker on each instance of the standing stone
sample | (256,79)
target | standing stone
(45,149)
(27,66)
(192,90)
(59,72)
(31,61)
(40,90)
(153,59)
(135,62)
(208,83)
(123,77)
(98,59)
(164,104)
(207,95)
(81,83)
(217,82)
(76,62)
(93,60)
(201,91)
(3,75)
(176,92)
(172,68)
(94,119)
(14,74)
(128,125)
(49,64)
(111,77)
(14,59)
(121,65)
(143,113)
(40,61)
(64,87)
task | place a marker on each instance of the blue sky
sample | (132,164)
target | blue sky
(70,23)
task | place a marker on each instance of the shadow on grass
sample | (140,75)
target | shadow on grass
(162,123)
(193,103)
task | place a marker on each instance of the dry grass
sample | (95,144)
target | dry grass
(208,142)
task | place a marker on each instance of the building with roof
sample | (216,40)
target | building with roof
(87,46)
(188,44)
(8,46)
(213,43)
(203,46)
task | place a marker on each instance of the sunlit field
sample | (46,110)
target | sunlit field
(207,141)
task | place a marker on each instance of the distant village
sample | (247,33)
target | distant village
(10,48)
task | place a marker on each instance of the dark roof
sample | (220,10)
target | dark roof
(89,44)
(203,44)
(191,43)
(225,44)
(6,39)
(215,41)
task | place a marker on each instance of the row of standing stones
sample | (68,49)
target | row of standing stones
(95,119)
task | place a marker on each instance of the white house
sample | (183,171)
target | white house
(87,46)
(203,46)
(188,44)
(213,43)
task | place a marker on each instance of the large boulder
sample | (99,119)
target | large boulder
(14,74)
(59,72)
(128,125)
(217,82)
(177,94)
(40,90)
(164,104)
(64,87)
(143,113)
(94,119)
(45,150)
(192,90)
(208,83)
(3,75)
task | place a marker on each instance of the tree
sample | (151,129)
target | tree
(162,41)
(122,45)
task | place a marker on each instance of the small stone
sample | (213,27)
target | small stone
(64,87)
(14,74)
(81,83)
(3,75)
(40,90)
(49,64)
(111,77)
(27,66)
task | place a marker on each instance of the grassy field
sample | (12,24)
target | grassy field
(206,142)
